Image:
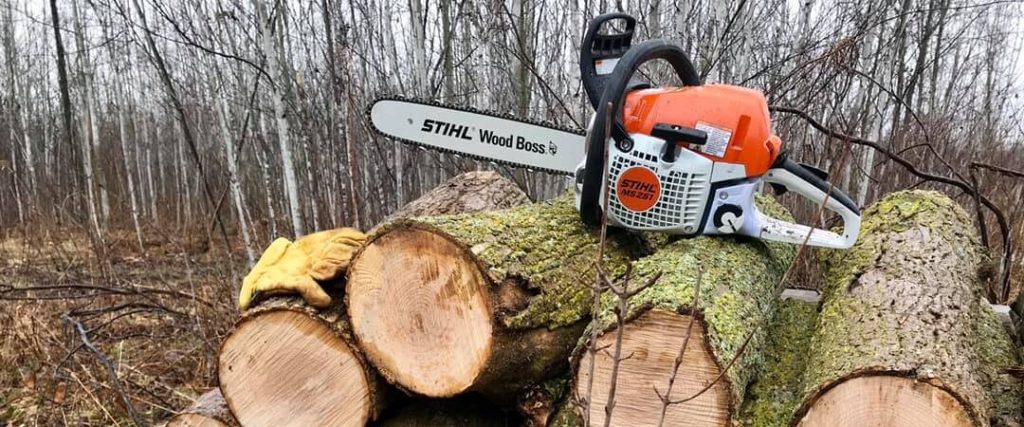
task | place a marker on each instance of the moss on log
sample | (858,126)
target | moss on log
(776,393)
(904,320)
(738,280)
(490,301)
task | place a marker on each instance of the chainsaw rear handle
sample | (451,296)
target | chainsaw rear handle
(614,94)
(605,47)
(795,177)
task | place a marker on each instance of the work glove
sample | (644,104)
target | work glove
(295,267)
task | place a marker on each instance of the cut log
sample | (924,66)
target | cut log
(209,410)
(490,302)
(738,279)
(465,193)
(286,363)
(905,337)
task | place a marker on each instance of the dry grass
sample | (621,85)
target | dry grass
(157,318)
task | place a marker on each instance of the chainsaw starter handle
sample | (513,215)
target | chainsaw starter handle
(797,178)
(614,94)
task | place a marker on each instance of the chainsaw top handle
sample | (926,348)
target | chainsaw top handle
(614,93)
(600,50)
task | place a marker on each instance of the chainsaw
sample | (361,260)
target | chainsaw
(682,160)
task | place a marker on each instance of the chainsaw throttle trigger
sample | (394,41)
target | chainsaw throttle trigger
(675,134)
(808,184)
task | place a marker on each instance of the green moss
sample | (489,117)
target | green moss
(775,395)
(738,278)
(996,353)
(895,213)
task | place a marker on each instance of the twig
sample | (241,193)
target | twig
(624,294)
(694,306)
(596,288)
(109,367)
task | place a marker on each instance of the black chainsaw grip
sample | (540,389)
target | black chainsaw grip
(601,46)
(614,94)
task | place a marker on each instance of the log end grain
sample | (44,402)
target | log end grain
(284,367)
(650,345)
(886,401)
(420,311)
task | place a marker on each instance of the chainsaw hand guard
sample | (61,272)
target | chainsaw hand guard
(798,179)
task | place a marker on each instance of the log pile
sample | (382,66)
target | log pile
(475,308)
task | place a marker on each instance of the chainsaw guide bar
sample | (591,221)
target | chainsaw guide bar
(457,130)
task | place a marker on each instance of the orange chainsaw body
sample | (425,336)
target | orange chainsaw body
(741,112)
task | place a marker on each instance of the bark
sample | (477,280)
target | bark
(208,410)
(469,192)
(904,320)
(775,394)
(491,302)
(737,281)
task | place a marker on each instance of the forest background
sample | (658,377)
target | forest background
(149,150)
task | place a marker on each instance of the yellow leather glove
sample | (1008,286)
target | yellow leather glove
(287,267)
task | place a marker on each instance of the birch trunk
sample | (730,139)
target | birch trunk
(133,205)
(268,187)
(291,187)
(153,212)
(236,191)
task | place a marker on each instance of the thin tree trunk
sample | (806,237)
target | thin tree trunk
(280,115)
(122,133)
(86,151)
(236,191)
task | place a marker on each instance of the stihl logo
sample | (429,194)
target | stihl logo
(638,189)
(446,129)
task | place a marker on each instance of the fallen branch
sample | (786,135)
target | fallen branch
(108,366)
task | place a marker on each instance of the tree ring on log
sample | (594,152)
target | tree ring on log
(650,344)
(414,296)
(886,401)
(272,351)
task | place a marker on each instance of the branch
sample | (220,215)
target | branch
(108,366)
(1000,169)
(1004,227)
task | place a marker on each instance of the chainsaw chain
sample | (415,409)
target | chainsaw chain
(473,110)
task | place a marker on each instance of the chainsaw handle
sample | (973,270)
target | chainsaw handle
(605,47)
(802,181)
(614,94)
